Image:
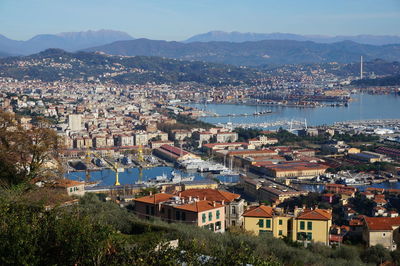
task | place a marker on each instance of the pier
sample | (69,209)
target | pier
(291,125)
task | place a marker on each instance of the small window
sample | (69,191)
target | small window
(309,236)
(233,210)
(268,223)
(217,225)
(210,216)
(233,223)
(177,215)
(147,209)
(309,225)
(218,213)
(183,216)
(383,234)
(302,225)
(203,218)
(280,222)
(280,232)
(261,223)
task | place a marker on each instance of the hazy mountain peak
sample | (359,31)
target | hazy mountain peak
(69,41)
(215,36)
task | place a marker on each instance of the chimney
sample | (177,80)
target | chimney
(223,202)
(190,198)
(151,192)
(214,204)
(205,198)
(180,194)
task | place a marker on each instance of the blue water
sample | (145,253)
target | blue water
(363,106)
(319,188)
(131,175)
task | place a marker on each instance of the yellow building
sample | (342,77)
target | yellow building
(312,225)
(306,225)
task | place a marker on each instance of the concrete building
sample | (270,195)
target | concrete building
(294,169)
(382,230)
(75,122)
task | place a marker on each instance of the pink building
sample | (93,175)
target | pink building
(171,208)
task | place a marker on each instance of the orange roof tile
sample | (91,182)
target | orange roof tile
(199,206)
(317,214)
(156,198)
(210,194)
(260,211)
(381,223)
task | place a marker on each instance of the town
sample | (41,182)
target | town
(312,186)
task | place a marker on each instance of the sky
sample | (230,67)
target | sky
(181,19)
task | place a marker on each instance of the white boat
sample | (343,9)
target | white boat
(177,178)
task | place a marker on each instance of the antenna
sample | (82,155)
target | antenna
(361,68)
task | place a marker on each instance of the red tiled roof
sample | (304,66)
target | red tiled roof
(200,206)
(317,214)
(381,223)
(174,150)
(156,198)
(251,152)
(260,211)
(210,194)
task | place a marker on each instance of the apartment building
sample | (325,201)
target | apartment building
(234,205)
(302,225)
(192,210)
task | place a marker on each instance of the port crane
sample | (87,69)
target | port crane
(113,166)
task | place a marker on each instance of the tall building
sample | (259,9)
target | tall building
(75,122)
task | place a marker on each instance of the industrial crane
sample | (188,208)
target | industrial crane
(113,166)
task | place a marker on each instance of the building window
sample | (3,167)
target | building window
(211,227)
(280,232)
(152,210)
(177,215)
(261,223)
(268,223)
(210,216)
(70,190)
(309,225)
(183,216)
(302,225)
(218,226)
(233,223)
(203,218)
(218,214)
(233,210)
(147,209)
(309,236)
(280,222)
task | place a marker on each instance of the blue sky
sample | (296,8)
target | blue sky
(180,19)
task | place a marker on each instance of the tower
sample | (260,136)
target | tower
(361,68)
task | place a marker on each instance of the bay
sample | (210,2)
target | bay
(362,106)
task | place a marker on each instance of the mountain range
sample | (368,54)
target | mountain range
(56,65)
(254,53)
(251,49)
(222,36)
(69,41)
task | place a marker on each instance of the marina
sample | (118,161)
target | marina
(361,107)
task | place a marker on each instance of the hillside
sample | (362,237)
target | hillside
(56,64)
(254,53)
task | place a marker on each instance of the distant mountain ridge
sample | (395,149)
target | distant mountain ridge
(69,41)
(126,70)
(222,36)
(254,53)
